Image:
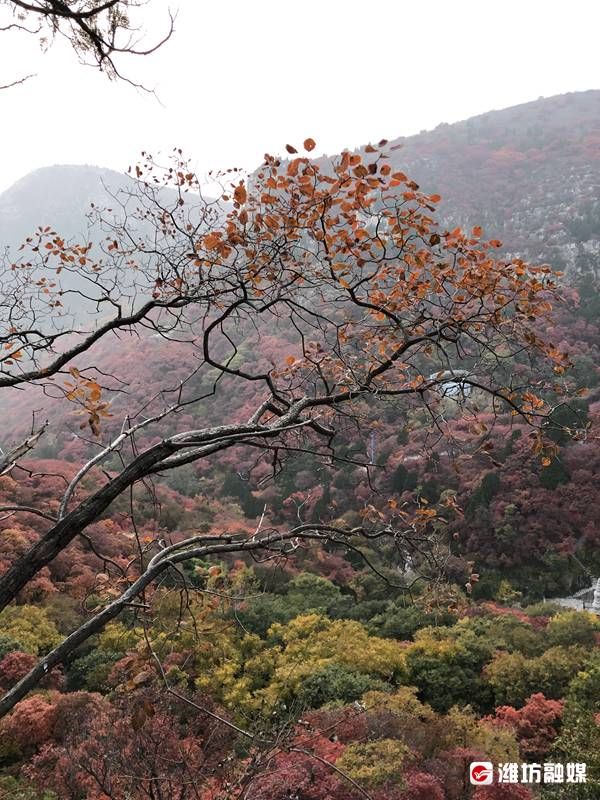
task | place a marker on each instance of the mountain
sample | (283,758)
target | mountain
(58,196)
(61,198)
(530,174)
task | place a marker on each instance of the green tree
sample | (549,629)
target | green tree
(513,677)
(573,627)
(335,683)
(306,593)
(446,668)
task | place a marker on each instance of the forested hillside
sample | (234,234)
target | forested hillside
(392,627)
(529,174)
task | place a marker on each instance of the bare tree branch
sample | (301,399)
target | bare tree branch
(100,30)
(9,459)
(17,81)
(161,562)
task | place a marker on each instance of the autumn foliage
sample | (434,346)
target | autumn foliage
(331,440)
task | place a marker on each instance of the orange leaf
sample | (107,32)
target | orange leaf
(240,195)
(211,240)
(290,149)
(293,167)
(95,391)
(309,144)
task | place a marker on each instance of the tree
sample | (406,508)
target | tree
(375,763)
(371,304)
(98,30)
(305,593)
(31,627)
(572,628)
(502,792)
(333,682)
(535,724)
(445,665)
(30,723)
(147,747)
(579,739)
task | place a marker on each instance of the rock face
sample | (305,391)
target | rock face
(529,174)
(596,602)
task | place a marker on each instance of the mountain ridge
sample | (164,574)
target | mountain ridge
(529,174)
(59,195)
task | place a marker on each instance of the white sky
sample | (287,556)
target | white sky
(241,77)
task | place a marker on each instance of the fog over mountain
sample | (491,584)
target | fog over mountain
(300,412)
(59,196)
(530,174)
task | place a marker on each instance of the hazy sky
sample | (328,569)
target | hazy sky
(241,78)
